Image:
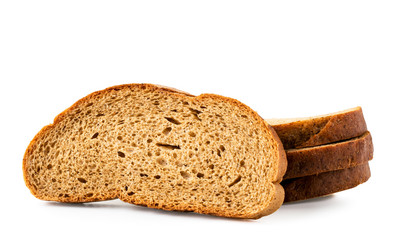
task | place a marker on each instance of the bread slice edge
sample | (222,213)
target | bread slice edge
(319,130)
(329,157)
(326,183)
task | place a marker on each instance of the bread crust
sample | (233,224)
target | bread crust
(330,157)
(324,129)
(325,183)
(268,208)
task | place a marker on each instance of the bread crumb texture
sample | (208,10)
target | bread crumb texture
(159,148)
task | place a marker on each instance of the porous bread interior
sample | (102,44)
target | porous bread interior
(157,149)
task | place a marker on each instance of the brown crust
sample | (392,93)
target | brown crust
(278,200)
(330,157)
(271,206)
(315,131)
(325,183)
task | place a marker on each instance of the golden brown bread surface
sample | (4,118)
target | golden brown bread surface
(319,130)
(325,183)
(160,148)
(329,157)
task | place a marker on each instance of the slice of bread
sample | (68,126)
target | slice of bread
(161,148)
(319,130)
(329,157)
(325,183)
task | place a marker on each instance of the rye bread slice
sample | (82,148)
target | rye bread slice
(325,183)
(161,148)
(329,157)
(319,130)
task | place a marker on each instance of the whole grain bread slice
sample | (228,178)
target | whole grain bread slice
(158,147)
(329,157)
(325,183)
(319,130)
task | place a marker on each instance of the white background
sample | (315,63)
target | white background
(282,58)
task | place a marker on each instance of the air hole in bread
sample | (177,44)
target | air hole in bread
(237,180)
(130,193)
(157,177)
(100,115)
(185,175)
(195,113)
(172,120)
(49,166)
(82,180)
(168,146)
(119,138)
(121,154)
(221,147)
(192,134)
(242,163)
(161,161)
(47,149)
(95,135)
(144,175)
(89,194)
(167,130)
(200,175)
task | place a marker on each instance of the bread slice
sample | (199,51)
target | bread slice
(161,148)
(325,183)
(319,130)
(329,157)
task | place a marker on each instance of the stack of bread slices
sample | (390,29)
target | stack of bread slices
(326,154)
(163,148)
